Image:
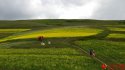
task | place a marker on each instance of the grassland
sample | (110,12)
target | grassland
(44,59)
(8,32)
(116,35)
(107,51)
(45,51)
(20,49)
(47,62)
(116,28)
(12,30)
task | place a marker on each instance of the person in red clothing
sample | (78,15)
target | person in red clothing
(104,66)
(41,38)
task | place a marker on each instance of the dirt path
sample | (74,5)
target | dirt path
(95,58)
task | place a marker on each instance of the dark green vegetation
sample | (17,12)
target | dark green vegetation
(20,51)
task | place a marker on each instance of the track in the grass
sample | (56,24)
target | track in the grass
(90,56)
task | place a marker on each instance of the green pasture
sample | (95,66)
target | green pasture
(116,35)
(47,62)
(44,51)
(116,28)
(12,30)
(108,51)
(9,32)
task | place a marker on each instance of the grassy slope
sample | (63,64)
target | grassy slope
(36,24)
(116,35)
(63,57)
(108,51)
(8,32)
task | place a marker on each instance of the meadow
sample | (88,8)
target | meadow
(36,51)
(108,51)
(20,48)
(12,30)
(116,28)
(116,35)
(7,32)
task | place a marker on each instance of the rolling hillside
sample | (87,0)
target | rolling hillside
(70,43)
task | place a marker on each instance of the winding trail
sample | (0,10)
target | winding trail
(101,35)
(83,51)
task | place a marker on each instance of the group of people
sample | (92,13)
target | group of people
(42,41)
(91,51)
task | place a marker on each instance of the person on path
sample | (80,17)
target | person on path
(104,66)
(91,52)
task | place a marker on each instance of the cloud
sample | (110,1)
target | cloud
(15,9)
(27,9)
(62,9)
(110,9)
(78,12)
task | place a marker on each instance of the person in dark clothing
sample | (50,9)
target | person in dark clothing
(92,52)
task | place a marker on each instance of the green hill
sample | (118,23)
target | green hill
(70,40)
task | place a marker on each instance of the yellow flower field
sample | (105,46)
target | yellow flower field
(57,32)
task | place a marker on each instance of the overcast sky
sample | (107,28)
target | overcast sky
(62,9)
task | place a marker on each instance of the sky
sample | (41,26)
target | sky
(62,9)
